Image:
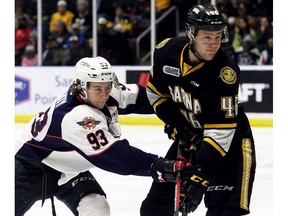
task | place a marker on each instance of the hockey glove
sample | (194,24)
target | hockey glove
(164,170)
(193,186)
(188,137)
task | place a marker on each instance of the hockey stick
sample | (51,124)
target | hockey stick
(177,186)
(185,206)
(185,203)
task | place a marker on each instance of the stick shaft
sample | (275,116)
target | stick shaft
(177,186)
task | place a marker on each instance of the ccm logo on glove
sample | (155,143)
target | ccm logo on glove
(200,180)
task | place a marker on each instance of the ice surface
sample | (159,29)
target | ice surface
(125,193)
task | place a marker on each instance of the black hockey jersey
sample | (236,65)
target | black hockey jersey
(206,94)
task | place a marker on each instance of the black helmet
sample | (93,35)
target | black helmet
(205,17)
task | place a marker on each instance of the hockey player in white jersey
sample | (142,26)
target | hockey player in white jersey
(81,131)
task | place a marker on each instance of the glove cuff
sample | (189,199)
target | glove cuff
(162,170)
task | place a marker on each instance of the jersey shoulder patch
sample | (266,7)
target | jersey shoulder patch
(88,123)
(228,75)
(162,43)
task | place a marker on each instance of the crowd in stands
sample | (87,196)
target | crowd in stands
(67,29)
(251,31)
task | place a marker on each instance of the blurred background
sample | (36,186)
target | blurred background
(123,31)
(51,36)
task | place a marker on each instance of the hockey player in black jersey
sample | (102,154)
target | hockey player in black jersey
(81,131)
(193,88)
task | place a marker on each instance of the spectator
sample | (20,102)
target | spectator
(20,13)
(241,29)
(75,30)
(242,10)
(140,17)
(106,7)
(48,7)
(33,38)
(54,55)
(264,32)
(163,29)
(112,44)
(50,50)
(252,23)
(122,22)
(139,14)
(121,53)
(227,7)
(83,17)
(76,50)
(61,34)
(30,8)
(45,26)
(22,37)
(62,14)
(266,55)
(162,6)
(89,47)
(140,10)
(250,53)
(105,38)
(30,57)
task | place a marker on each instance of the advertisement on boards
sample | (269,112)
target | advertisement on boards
(37,87)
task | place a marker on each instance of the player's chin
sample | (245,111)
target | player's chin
(100,105)
(210,56)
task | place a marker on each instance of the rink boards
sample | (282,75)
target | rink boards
(37,87)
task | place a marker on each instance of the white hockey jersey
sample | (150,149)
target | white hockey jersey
(72,136)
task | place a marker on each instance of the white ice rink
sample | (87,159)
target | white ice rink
(125,193)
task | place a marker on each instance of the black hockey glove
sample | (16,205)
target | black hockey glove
(188,137)
(163,170)
(194,183)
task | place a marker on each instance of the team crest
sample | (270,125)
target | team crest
(88,123)
(162,43)
(228,75)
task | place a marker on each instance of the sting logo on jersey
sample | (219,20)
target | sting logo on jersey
(88,123)
(171,70)
(228,75)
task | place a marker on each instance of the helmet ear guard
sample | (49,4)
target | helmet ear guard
(225,35)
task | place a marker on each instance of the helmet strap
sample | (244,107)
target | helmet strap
(193,49)
(191,33)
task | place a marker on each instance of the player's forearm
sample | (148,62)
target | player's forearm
(125,159)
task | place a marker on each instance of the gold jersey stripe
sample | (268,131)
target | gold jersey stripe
(152,87)
(189,69)
(232,125)
(162,100)
(247,163)
(185,68)
(215,145)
